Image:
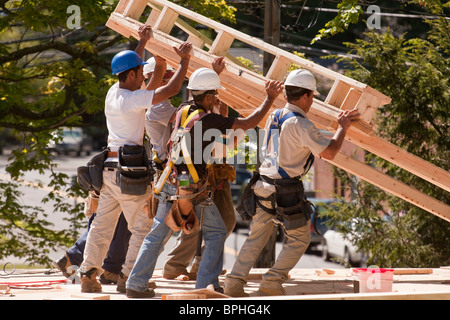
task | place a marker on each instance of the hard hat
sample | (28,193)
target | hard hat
(125,60)
(150,67)
(204,79)
(302,78)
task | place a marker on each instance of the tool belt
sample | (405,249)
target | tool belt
(134,174)
(90,177)
(289,203)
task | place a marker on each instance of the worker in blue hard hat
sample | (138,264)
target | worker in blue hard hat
(126,175)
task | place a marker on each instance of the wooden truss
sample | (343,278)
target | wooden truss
(245,91)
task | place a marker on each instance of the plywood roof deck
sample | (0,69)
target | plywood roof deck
(303,284)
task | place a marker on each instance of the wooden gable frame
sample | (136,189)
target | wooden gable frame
(245,91)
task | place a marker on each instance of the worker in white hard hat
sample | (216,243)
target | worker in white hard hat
(291,142)
(159,117)
(124,167)
(220,174)
(191,176)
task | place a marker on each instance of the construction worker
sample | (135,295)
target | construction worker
(185,249)
(159,118)
(291,141)
(126,178)
(203,84)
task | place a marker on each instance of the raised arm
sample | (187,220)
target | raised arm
(173,87)
(273,89)
(345,120)
(145,33)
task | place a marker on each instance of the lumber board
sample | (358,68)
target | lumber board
(91,296)
(403,271)
(368,296)
(391,185)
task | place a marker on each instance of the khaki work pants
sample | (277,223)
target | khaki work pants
(295,243)
(111,203)
(186,246)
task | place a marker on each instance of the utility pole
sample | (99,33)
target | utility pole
(272,17)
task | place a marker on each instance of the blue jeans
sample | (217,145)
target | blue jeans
(214,235)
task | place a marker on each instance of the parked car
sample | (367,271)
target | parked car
(73,140)
(321,221)
(335,244)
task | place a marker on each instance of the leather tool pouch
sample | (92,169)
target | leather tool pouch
(133,174)
(90,177)
(177,221)
(291,205)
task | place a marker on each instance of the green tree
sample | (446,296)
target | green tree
(414,73)
(54,72)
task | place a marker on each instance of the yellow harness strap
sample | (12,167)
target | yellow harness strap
(187,157)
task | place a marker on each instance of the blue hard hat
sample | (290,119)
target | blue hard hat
(125,60)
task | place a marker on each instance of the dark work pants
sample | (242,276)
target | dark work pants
(117,250)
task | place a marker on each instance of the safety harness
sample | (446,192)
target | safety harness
(276,125)
(177,144)
(183,125)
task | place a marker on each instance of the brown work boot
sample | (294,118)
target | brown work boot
(175,275)
(122,281)
(109,278)
(271,291)
(89,282)
(148,293)
(234,287)
(63,265)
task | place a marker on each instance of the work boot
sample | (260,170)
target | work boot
(109,278)
(122,281)
(174,275)
(89,282)
(264,291)
(149,293)
(63,265)
(234,287)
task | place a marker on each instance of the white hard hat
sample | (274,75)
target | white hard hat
(302,78)
(204,79)
(149,67)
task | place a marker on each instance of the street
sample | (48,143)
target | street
(69,164)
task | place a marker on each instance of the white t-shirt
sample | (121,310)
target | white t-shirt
(125,116)
(158,128)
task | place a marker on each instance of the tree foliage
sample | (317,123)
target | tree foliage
(52,75)
(415,74)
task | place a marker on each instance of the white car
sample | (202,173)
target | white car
(334,244)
